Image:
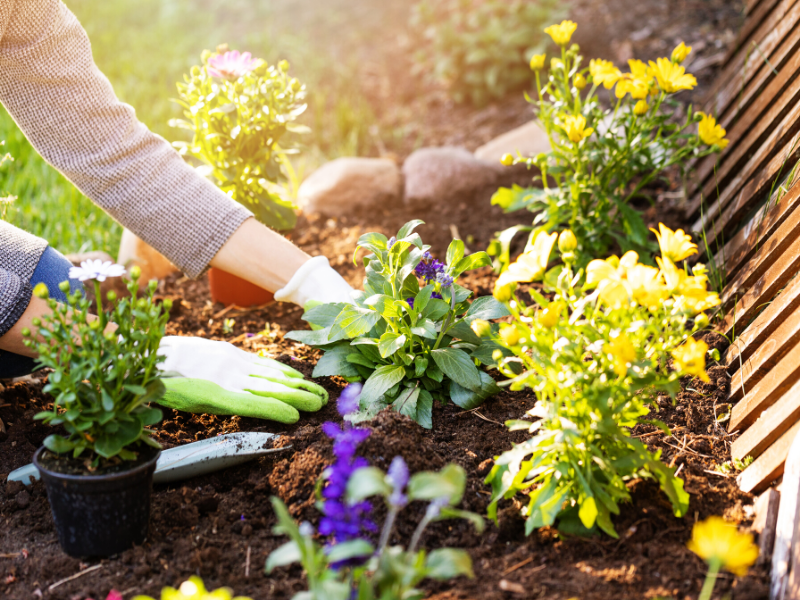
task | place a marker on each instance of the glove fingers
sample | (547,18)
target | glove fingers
(300,384)
(274,364)
(299,399)
(201,396)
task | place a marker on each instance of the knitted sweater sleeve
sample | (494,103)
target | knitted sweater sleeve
(67,109)
(15,295)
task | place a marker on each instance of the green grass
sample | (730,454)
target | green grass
(145,46)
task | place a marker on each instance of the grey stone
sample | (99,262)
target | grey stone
(433,174)
(528,140)
(345,184)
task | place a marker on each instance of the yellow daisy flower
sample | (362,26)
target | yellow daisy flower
(604,73)
(671,77)
(722,545)
(691,358)
(710,132)
(562,33)
(575,128)
(680,53)
(675,245)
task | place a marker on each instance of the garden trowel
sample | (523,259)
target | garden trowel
(190,460)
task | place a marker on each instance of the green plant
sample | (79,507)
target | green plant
(410,341)
(602,159)
(596,353)
(356,568)
(103,379)
(239,110)
(479,49)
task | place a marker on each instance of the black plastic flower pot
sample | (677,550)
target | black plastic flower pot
(99,515)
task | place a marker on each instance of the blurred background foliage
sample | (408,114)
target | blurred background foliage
(343,50)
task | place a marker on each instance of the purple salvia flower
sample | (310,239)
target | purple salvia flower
(349,398)
(398,479)
(444,279)
(429,270)
(437,295)
(410,302)
(392,241)
(426,256)
(435,507)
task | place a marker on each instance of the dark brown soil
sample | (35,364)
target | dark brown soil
(219,526)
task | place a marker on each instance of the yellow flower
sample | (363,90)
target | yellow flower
(481,328)
(537,62)
(550,316)
(575,128)
(562,33)
(675,245)
(623,352)
(530,265)
(641,108)
(640,70)
(691,358)
(507,160)
(637,88)
(690,292)
(710,132)
(193,589)
(604,73)
(671,77)
(579,81)
(680,53)
(567,242)
(610,276)
(722,545)
(509,335)
(646,286)
(556,64)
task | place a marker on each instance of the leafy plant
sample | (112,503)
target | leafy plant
(595,350)
(350,565)
(410,341)
(103,379)
(479,49)
(239,110)
(602,159)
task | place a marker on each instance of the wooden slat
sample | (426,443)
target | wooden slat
(754,142)
(765,523)
(769,466)
(787,521)
(764,390)
(772,333)
(771,105)
(764,223)
(770,425)
(770,251)
(737,200)
(765,288)
(750,5)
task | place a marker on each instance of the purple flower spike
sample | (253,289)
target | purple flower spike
(429,270)
(392,241)
(398,479)
(231,65)
(349,399)
(444,280)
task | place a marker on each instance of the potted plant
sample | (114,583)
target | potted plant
(99,476)
(239,110)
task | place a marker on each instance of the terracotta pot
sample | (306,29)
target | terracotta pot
(230,289)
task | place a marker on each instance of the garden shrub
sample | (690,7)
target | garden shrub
(410,340)
(595,347)
(102,382)
(602,158)
(239,110)
(479,49)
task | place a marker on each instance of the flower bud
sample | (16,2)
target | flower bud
(205,55)
(680,53)
(550,316)
(141,303)
(36,321)
(701,321)
(238,87)
(111,296)
(152,286)
(507,160)
(503,293)
(167,303)
(261,68)
(109,336)
(537,62)
(296,85)
(641,108)
(497,355)
(136,272)
(94,325)
(556,64)
(196,71)
(222,48)
(26,332)
(283,65)
(64,287)
(567,242)
(481,328)
(579,81)
(509,335)
(41,291)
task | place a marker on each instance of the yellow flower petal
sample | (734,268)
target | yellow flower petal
(562,33)
(718,542)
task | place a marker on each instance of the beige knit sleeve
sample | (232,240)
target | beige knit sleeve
(67,109)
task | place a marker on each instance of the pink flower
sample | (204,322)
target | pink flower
(114,595)
(231,65)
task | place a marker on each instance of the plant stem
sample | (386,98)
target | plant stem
(388,525)
(710,582)
(418,533)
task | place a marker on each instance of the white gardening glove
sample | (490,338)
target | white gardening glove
(315,281)
(216,377)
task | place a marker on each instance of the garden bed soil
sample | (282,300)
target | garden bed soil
(219,526)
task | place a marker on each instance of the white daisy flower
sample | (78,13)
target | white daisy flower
(96,269)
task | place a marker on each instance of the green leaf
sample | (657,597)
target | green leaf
(374,242)
(352,322)
(448,512)
(136,390)
(545,504)
(58,444)
(588,512)
(286,554)
(366,482)
(385,305)
(406,403)
(486,308)
(149,415)
(473,261)
(467,399)
(351,549)
(381,380)
(334,362)
(108,445)
(455,252)
(420,364)
(446,563)
(406,229)
(463,331)
(318,337)
(516,198)
(422,298)
(390,343)
(425,409)
(425,328)
(356,358)
(448,483)
(458,366)
(323,315)
(435,310)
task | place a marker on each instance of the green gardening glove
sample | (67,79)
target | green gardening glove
(218,378)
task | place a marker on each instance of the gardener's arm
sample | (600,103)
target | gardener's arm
(67,109)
